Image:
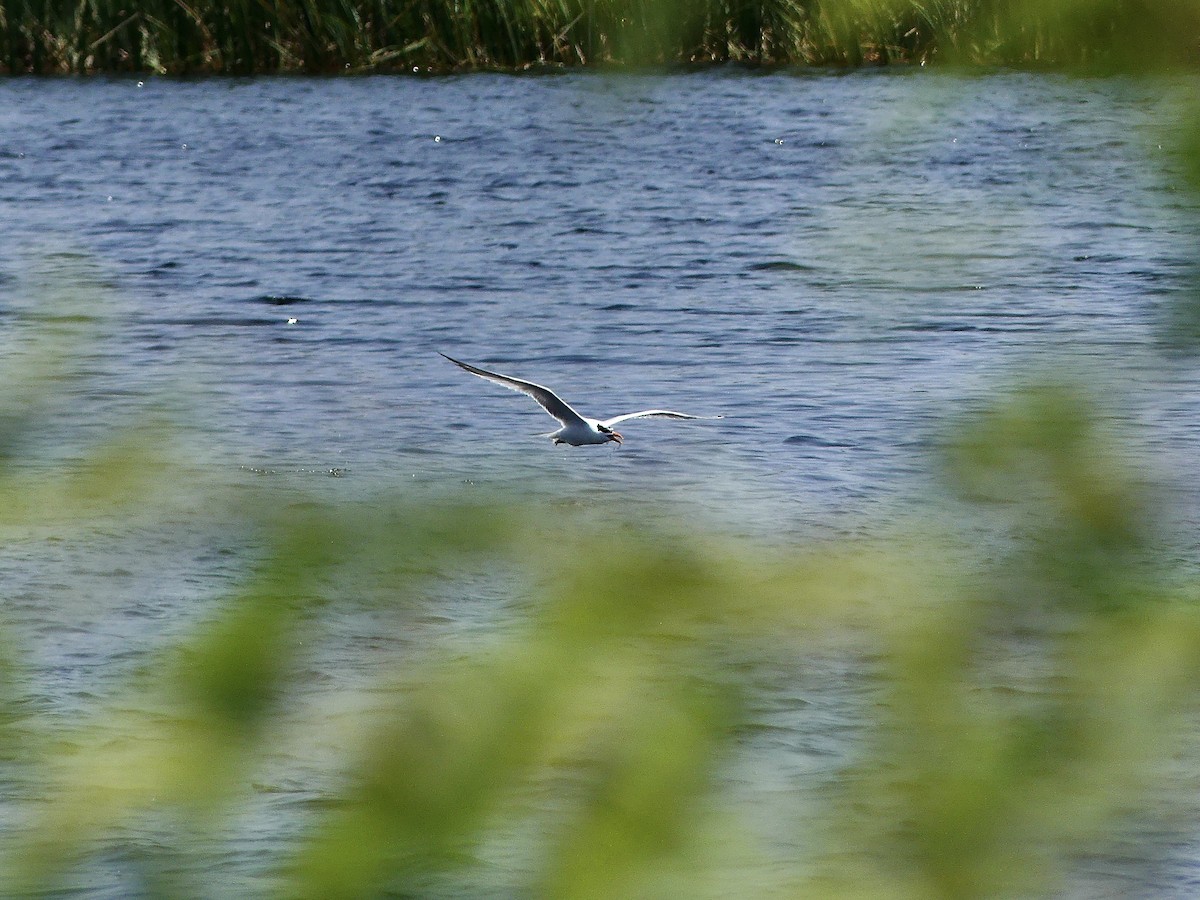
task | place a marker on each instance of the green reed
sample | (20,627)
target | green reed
(246,36)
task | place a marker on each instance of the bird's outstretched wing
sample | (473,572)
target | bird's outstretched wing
(652,414)
(548,400)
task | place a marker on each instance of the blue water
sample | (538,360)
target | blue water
(839,264)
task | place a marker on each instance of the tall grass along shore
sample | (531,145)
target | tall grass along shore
(253,36)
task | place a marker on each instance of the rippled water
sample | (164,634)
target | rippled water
(837,263)
(833,262)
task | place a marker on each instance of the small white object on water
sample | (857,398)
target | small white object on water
(437,138)
(293,321)
(141,83)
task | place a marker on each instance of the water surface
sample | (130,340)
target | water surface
(840,264)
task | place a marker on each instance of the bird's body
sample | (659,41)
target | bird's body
(577,430)
(580,434)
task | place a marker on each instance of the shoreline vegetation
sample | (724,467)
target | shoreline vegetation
(239,37)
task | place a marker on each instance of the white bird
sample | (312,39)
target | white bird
(577,430)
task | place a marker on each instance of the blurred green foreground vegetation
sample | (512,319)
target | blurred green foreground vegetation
(259,36)
(1025,684)
(1026,703)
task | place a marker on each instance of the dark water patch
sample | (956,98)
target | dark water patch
(214,322)
(935,289)
(589,229)
(164,267)
(353,304)
(144,612)
(129,226)
(999,324)
(813,440)
(281,299)
(942,327)
(716,311)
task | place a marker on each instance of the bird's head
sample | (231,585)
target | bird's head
(610,434)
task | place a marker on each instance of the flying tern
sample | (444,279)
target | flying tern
(577,430)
